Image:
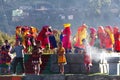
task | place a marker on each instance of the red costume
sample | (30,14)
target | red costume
(92,36)
(66,37)
(43,37)
(101,35)
(80,35)
(109,38)
(117,39)
(87,62)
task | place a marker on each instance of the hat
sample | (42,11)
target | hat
(67,25)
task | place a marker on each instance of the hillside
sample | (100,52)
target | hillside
(56,12)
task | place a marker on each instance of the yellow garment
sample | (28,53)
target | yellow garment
(81,34)
(18,30)
(67,25)
(110,34)
(35,31)
(61,56)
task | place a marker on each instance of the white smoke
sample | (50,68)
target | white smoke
(99,55)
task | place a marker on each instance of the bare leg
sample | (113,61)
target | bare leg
(87,68)
(38,69)
(61,68)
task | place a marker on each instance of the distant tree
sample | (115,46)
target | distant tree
(98,4)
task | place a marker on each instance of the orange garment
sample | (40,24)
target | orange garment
(34,31)
(109,38)
(61,55)
(109,30)
(80,35)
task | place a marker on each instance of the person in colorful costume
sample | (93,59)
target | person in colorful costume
(33,32)
(53,43)
(66,37)
(43,37)
(109,38)
(26,35)
(101,35)
(93,33)
(36,57)
(5,57)
(87,62)
(80,35)
(117,39)
(18,33)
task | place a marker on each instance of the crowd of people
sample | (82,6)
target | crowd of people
(30,41)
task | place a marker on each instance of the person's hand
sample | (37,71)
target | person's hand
(90,64)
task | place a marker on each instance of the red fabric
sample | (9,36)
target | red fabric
(92,36)
(87,59)
(66,38)
(117,41)
(108,42)
(4,57)
(109,38)
(115,29)
(101,36)
(43,37)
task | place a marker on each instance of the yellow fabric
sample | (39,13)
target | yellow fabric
(61,57)
(111,35)
(18,30)
(35,31)
(67,25)
(81,34)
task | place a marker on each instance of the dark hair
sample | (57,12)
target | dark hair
(83,40)
(6,40)
(19,41)
(60,43)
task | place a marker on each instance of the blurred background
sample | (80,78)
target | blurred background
(57,12)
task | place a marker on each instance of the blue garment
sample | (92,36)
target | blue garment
(53,42)
(18,50)
(61,37)
(5,47)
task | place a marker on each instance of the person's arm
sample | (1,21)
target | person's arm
(40,61)
(23,47)
(12,49)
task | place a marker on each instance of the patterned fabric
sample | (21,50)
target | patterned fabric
(4,57)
